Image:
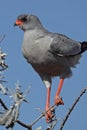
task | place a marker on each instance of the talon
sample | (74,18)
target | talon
(49,115)
(58,101)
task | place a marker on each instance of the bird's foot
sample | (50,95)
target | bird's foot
(49,114)
(58,100)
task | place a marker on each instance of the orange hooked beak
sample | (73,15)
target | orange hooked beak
(18,22)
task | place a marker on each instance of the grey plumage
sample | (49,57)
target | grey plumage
(50,54)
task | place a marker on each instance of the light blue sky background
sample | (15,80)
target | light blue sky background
(62,16)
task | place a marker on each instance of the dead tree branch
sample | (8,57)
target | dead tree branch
(29,127)
(3,105)
(72,107)
(24,125)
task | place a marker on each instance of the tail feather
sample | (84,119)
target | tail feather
(83,46)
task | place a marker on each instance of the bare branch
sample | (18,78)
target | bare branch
(9,117)
(2,37)
(3,105)
(3,89)
(42,115)
(72,107)
(29,127)
(2,60)
(24,125)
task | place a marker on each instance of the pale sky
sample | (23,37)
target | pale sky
(66,17)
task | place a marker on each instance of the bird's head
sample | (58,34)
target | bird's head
(27,22)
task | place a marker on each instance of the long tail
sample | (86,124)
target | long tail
(83,46)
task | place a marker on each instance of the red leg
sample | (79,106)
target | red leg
(58,100)
(49,114)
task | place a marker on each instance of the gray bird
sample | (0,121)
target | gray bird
(50,54)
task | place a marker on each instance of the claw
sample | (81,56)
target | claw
(58,101)
(49,115)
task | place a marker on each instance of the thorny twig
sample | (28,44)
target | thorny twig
(72,107)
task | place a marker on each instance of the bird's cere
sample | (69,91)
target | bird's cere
(18,22)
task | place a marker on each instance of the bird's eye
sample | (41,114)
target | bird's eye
(24,19)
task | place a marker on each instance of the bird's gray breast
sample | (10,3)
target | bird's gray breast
(35,47)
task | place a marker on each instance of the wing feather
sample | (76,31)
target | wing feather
(64,46)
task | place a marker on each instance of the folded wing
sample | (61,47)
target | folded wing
(63,46)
